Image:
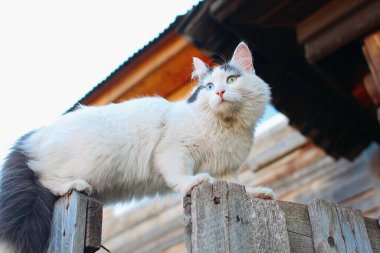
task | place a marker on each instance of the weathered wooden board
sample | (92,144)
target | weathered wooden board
(298,227)
(138,236)
(371,50)
(337,229)
(93,239)
(76,225)
(245,224)
(69,224)
(225,219)
(114,225)
(342,31)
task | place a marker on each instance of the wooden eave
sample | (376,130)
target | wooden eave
(162,68)
(316,91)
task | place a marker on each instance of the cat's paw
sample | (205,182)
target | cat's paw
(82,186)
(261,192)
(78,185)
(196,180)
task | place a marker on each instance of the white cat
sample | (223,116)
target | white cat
(137,148)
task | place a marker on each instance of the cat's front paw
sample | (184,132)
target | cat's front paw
(261,192)
(196,180)
(78,185)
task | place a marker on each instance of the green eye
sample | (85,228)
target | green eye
(210,86)
(231,79)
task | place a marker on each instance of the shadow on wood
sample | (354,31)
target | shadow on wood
(224,218)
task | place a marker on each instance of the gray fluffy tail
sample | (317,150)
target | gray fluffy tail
(26,207)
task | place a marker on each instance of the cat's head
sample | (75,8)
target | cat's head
(231,88)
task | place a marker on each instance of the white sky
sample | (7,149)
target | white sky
(53,52)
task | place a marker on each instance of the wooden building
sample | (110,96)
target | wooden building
(322,60)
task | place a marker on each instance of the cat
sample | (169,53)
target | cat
(141,147)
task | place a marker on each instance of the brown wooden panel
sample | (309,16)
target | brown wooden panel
(158,71)
(170,76)
(325,16)
(343,31)
(371,50)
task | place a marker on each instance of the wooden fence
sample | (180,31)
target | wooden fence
(77,225)
(223,218)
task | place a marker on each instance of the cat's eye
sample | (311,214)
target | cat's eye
(231,79)
(209,86)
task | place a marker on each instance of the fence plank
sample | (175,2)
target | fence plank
(69,224)
(373,231)
(94,219)
(353,230)
(337,229)
(298,227)
(267,226)
(209,212)
(187,222)
(225,219)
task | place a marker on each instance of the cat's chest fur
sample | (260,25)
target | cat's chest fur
(218,150)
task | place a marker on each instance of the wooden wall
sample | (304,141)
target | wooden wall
(281,158)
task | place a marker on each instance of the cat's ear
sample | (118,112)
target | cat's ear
(200,68)
(242,57)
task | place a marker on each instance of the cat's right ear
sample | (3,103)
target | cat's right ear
(200,68)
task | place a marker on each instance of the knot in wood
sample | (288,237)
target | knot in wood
(331,241)
(216,200)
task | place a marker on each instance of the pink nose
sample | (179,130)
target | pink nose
(220,92)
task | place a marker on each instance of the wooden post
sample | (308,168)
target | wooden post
(76,225)
(223,218)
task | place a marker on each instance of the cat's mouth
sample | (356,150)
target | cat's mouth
(224,100)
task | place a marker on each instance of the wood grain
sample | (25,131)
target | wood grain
(225,219)
(69,224)
(343,31)
(337,229)
(94,219)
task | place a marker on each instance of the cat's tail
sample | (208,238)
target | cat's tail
(26,207)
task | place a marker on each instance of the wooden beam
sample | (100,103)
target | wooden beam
(371,50)
(171,76)
(336,33)
(183,92)
(131,75)
(325,16)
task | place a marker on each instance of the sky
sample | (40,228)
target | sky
(53,52)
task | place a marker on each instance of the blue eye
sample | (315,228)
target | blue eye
(209,86)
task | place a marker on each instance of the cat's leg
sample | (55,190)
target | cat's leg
(62,186)
(177,170)
(257,192)
(59,181)
(184,183)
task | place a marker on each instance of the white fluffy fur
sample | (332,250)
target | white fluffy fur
(6,247)
(149,145)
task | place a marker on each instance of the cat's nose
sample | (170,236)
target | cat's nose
(220,93)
